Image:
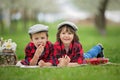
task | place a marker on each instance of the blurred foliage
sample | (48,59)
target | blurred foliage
(40,5)
(92,6)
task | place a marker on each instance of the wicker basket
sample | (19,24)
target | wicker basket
(7,51)
(8,58)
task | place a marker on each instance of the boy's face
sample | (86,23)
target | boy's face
(66,36)
(39,39)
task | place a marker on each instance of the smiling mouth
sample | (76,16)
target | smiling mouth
(67,39)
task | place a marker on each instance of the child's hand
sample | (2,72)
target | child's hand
(67,59)
(64,61)
(41,63)
(39,50)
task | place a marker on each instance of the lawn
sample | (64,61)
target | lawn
(88,37)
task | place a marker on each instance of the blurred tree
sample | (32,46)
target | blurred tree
(98,7)
(1,22)
(8,9)
(29,9)
(100,21)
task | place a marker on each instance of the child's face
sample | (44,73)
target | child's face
(66,36)
(39,39)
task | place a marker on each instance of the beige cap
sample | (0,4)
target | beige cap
(71,24)
(37,28)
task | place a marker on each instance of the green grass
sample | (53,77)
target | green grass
(88,37)
(106,72)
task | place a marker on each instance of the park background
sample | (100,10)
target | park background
(98,21)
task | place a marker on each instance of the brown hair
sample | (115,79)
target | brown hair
(68,28)
(39,32)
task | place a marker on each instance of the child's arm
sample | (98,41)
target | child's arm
(66,62)
(41,63)
(34,60)
(73,64)
(38,52)
(47,64)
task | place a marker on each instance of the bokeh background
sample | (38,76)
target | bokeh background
(98,12)
(98,21)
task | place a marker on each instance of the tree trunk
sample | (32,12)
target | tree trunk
(25,19)
(100,20)
(1,22)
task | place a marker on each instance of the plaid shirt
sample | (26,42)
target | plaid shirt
(75,52)
(46,56)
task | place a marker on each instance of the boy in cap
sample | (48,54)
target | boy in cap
(39,50)
(68,50)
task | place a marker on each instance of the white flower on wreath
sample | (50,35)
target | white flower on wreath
(9,45)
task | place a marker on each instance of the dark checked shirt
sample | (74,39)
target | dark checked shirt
(75,52)
(47,54)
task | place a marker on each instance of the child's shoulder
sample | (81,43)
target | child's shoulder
(77,44)
(49,42)
(57,43)
(30,44)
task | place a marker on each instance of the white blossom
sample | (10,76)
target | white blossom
(8,44)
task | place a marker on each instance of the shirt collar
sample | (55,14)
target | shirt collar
(70,46)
